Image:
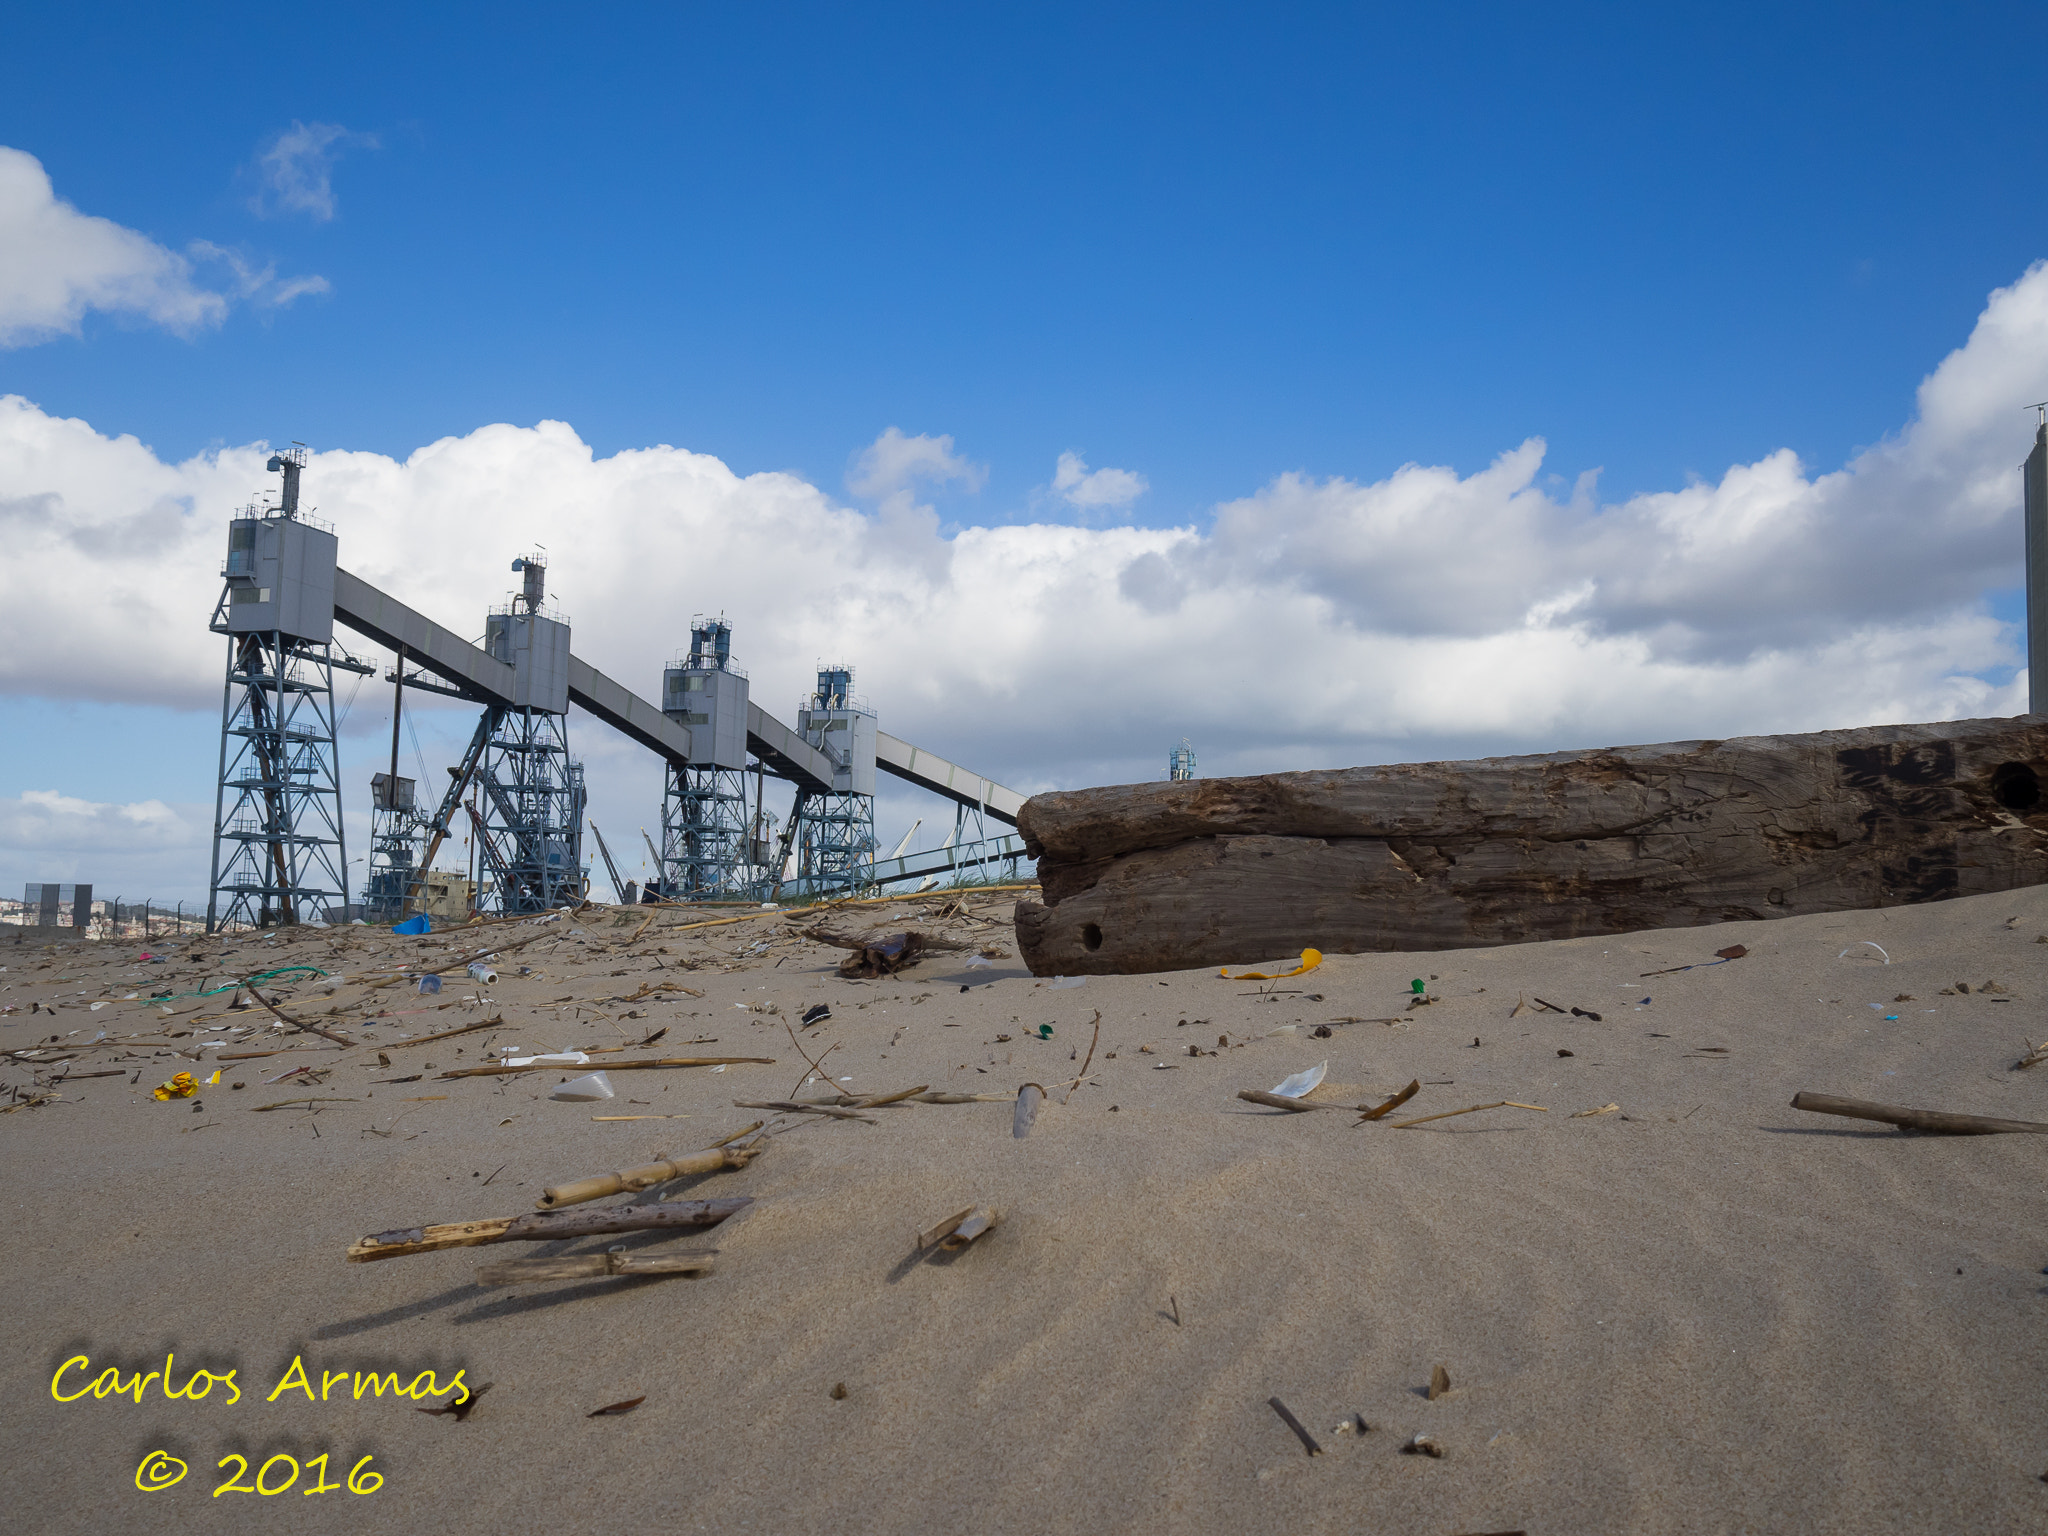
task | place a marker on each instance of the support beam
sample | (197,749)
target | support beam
(380,617)
(786,754)
(927,770)
(627,713)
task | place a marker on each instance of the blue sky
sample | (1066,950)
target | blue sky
(1210,248)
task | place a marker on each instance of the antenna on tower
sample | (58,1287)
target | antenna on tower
(2042,407)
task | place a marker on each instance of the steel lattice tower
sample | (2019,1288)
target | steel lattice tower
(705,851)
(528,811)
(278,851)
(835,833)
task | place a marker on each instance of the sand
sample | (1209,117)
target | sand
(1705,1312)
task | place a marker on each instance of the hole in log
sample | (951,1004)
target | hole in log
(1091,935)
(2015,786)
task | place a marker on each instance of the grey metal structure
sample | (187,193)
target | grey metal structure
(528,813)
(49,901)
(1180,762)
(2034,480)
(279,844)
(278,851)
(833,828)
(395,825)
(705,852)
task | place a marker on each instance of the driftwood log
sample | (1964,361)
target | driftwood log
(1509,850)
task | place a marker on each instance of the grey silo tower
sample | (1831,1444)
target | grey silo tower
(278,851)
(527,810)
(704,846)
(835,832)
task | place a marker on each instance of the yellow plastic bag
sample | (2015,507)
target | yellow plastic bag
(1310,959)
(183,1086)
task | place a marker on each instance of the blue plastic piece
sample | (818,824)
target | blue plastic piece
(414,925)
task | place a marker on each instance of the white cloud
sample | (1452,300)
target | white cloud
(296,169)
(57,263)
(1099,488)
(892,463)
(1315,622)
(147,849)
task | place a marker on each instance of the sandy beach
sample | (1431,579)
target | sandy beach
(1702,1311)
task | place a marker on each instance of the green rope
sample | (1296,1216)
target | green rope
(283,970)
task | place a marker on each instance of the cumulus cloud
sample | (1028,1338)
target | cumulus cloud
(141,850)
(57,263)
(296,169)
(893,463)
(1313,622)
(1093,489)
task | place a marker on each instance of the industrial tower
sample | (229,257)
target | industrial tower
(527,812)
(704,846)
(1180,762)
(278,854)
(834,832)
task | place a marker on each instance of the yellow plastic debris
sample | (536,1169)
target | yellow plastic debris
(1310,959)
(213,1080)
(183,1086)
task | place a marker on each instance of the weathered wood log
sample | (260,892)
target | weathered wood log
(1934,1120)
(1424,856)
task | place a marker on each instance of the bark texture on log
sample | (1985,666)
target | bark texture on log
(1423,856)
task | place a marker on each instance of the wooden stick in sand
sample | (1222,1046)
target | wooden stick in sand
(620,1066)
(589,1266)
(545,1227)
(792,1107)
(1097,1035)
(1281,1101)
(285,1018)
(1911,1119)
(964,1098)
(711,1160)
(1473,1109)
(492,1022)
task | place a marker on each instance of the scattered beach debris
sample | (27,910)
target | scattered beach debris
(1420,1444)
(587,1089)
(181,1086)
(838,1392)
(2036,1054)
(817,1013)
(1310,959)
(1851,950)
(545,1227)
(881,955)
(613,1410)
(1301,1433)
(593,1266)
(1934,1121)
(1587,1114)
(1439,1382)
